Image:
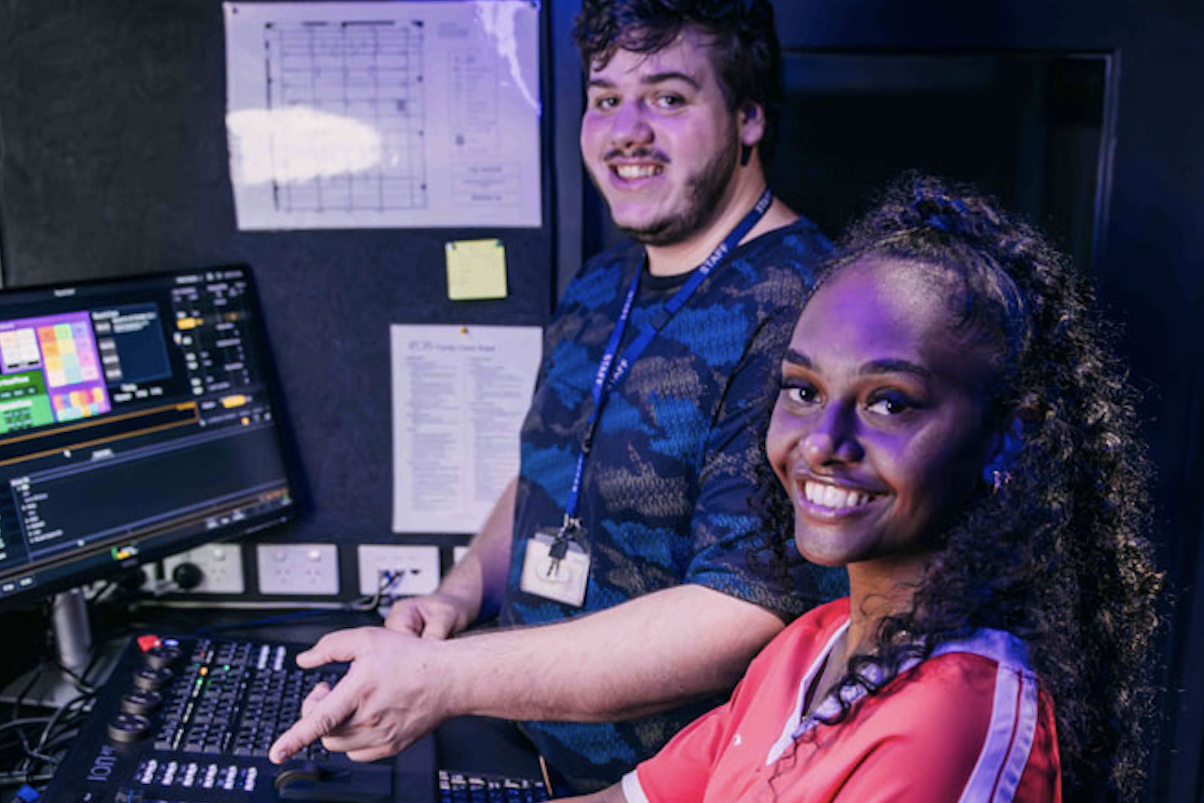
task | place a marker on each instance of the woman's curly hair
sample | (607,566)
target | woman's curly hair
(1057,555)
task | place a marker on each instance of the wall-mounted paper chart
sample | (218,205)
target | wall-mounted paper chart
(460,394)
(384,115)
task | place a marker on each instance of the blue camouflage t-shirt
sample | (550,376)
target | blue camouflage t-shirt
(665,495)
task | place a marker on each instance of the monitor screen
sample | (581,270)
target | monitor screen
(135,421)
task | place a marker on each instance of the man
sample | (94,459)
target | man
(639,516)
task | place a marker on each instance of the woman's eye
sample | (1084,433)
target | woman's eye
(888,403)
(799,394)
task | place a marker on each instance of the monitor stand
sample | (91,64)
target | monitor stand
(56,685)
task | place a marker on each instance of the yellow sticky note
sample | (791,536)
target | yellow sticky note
(475,269)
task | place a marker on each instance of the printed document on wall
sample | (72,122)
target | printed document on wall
(460,394)
(384,114)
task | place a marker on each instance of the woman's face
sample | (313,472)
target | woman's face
(879,433)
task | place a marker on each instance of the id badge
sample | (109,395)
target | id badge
(563,582)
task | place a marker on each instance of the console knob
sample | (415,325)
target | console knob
(140,701)
(148,677)
(126,727)
(162,655)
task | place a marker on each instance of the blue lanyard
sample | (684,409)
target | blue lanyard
(605,379)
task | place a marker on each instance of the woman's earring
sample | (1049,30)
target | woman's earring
(998,480)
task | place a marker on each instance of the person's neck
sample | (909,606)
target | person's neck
(878,589)
(685,256)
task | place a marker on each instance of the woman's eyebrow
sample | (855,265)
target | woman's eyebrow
(894,366)
(796,357)
(890,365)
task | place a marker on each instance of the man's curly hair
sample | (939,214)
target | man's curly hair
(1058,555)
(745,48)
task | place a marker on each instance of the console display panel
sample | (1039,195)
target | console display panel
(135,421)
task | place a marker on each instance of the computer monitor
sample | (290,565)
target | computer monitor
(135,421)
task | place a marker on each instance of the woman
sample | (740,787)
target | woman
(952,429)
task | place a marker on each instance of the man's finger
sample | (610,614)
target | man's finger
(438,626)
(371,753)
(323,717)
(349,739)
(317,695)
(405,618)
(340,646)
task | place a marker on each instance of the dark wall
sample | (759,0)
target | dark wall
(1146,259)
(115,162)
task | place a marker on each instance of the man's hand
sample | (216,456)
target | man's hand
(389,697)
(431,616)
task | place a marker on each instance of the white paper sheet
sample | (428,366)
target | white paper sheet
(384,114)
(459,398)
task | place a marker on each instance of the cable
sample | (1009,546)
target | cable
(58,715)
(385,580)
(366,603)
(10,779)
(17,723)
(100,592)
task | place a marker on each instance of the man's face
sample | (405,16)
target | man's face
(660,142)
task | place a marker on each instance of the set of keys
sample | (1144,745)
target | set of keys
(556,565)
(560,546)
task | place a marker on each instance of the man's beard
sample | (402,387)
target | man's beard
(702,194)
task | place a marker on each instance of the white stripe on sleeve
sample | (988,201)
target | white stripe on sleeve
(1005,751)
(632,789)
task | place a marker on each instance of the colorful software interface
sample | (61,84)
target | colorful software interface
(52,372)
(134,414)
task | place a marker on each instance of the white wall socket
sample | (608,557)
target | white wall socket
(298,569)
(419,567)
(220,565)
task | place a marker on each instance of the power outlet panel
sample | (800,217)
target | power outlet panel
(220,565)
(419,567)
(298,569)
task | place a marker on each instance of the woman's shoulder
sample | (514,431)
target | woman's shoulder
(972,680)
(976,704)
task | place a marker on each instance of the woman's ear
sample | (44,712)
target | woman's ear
(1004,451)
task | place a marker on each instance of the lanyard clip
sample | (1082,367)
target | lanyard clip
(569,528)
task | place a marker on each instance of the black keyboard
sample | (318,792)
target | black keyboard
(461,787)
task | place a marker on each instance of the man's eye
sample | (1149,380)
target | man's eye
(889,403)
(670,101)
(605,102)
